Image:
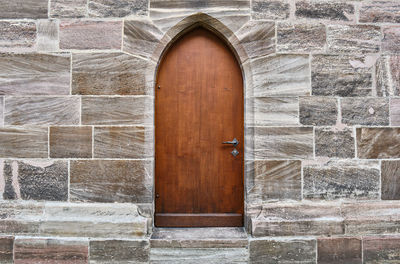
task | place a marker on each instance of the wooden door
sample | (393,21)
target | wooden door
(199,105)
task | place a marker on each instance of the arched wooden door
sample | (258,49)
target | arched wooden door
(199,105)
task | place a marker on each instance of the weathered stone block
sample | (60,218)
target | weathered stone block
(36,180)
(300,37)
(6,250)
(23,9)
(339,250)
(282,75)
(232,13)
(17,36)
(283,250)
(1,111)
(123,142)
(340,75)
(391,39)
(78,34)
(341,179)
(270,9)
(365,111)
(70,142)
(275,180)
(119,251)
(121,8)
(269,111)
(335,11)
(297,219)
(46,250)
(395,111)
(334,143)
(68,8)
(386,11)
(378,143)
(388,76)
(23,142)
(141,37)
(390,179)
(257,38)
(199,255)
(108,74)
(117,110)
(42,111)
(318,111)
(353,38)
(47,35)
(111,181)
(283,143)
(35,74)
(381,249)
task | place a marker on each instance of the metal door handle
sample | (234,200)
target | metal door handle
(234,142)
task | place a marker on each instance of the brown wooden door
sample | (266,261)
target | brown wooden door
(199,104)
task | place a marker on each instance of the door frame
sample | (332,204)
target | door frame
(237,48)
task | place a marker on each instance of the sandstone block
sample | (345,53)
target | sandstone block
(270,9)
(365,111)
(117,110)
(25,227)
(23,9)
(334,11)
(35,74)
(42,111)
(21,210)
(297,219)
(111,181)
(318,111)
(339,250)
(281,75)
(282,250)
(23,142)
(17,36)
(300,37)
(342,179)
(257,38)
(68,8)
(334,143)
(391,39)
(141,37)
(353,38)
(108,74)
(6,250)
(381,249)
(119,251)
(121,8)
(123,142)
(43,250)
(83,35)
(280,111)
(388,76)
(340,75)
(47,35)
(70,142)
(378,143)
(395,112)
(283,143)
(387,11)
(390,182)
(1,111)
(36,180)
(275,180)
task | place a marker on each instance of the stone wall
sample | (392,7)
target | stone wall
(322,125)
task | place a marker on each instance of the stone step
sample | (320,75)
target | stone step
(72,220)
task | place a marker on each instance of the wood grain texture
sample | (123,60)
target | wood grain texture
(108,74)
(195,173)
(42,111)
(35,74)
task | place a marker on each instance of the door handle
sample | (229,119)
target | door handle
(234,142)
